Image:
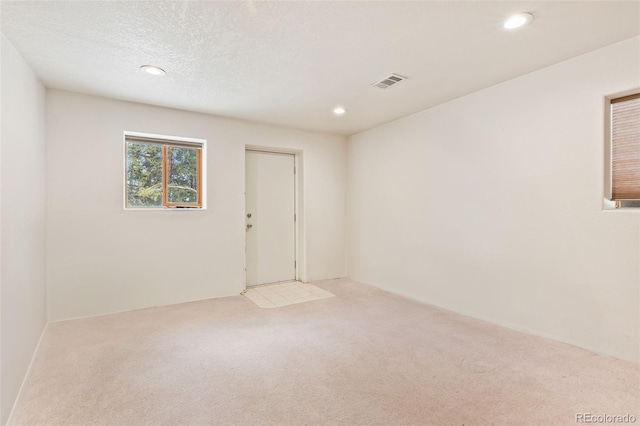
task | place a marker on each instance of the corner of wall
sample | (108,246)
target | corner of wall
(22,221)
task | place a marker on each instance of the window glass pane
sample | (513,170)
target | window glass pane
(144,175)
(183,175)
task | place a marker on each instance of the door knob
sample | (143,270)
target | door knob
(249,215)
(249,226)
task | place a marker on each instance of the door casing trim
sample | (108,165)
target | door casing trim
(299,228)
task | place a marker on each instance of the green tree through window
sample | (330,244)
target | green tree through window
(144,175)
(183,175)
(163,175)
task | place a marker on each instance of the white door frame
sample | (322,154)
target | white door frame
(299,249)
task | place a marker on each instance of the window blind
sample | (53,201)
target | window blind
(625,148)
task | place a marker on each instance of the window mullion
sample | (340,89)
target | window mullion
(166,172)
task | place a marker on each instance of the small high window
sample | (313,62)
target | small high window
(163,172)
(625,151)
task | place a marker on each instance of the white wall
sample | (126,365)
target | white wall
(22,221)
(490,205)
(102,258)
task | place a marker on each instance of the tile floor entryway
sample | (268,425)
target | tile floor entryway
(276,295)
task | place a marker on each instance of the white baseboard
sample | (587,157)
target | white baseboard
(26,376)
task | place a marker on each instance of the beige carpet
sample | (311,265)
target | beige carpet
(364,357)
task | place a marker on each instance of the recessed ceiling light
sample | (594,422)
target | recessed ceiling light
(517,21)
(339,110)
(153,70)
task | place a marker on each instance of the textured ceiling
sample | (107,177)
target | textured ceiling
(290,63)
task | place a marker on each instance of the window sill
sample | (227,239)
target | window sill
(627,206)
(164,209)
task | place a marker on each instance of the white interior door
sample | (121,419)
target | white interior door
(270,223)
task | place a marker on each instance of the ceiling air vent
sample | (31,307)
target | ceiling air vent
(389,81)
